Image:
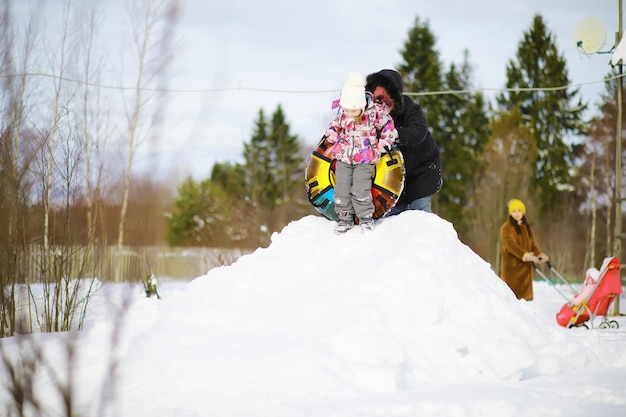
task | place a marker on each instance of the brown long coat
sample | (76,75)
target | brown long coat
(516,241)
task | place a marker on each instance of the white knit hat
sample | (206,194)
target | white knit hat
(353,92)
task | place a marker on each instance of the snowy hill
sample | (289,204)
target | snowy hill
(404,320)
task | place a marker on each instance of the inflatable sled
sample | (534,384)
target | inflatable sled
(387,181)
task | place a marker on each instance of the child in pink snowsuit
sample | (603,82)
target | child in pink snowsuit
(591,279)
(359,135)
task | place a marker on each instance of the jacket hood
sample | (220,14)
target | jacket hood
(390,80)
(395,77)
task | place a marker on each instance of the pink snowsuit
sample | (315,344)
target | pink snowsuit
(357,145)
(590,281)
(365,141)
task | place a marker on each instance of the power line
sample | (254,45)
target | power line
(517,89)
(269,90)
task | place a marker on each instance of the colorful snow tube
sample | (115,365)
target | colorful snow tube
(387,181)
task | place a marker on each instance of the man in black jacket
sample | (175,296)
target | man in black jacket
(422,160)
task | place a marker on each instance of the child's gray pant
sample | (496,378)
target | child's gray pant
(353,192)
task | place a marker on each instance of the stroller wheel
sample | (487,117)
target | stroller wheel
(585,326)
(613,324)
(604,325)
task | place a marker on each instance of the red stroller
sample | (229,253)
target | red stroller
(597,302)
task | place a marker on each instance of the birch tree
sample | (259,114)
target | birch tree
(153,22)
(48,155)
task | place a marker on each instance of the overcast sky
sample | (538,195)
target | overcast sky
(297,54)
(302,51)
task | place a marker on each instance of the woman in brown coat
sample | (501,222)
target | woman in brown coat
(519,251)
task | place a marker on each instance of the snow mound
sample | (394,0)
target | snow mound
(408,300)
(405,302)
(327,322)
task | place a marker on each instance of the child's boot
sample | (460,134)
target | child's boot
(345,223)
(367,223)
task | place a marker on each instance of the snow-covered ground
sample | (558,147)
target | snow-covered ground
(402,321)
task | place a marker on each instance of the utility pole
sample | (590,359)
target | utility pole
(619,235)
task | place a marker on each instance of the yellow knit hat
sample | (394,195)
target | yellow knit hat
(515,204)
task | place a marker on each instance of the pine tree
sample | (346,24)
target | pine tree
(257,155)
(199,214)
(274,169)
(288,165)
(238,227)
(231,177)
(549,111)
(458,121)
(273,163)
(421,69)
(236,206)
(462,138)
(214,211)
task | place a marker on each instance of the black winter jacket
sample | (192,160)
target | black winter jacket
(422,160)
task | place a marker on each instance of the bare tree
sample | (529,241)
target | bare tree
(88,32)
(41,383)
(15,161)
(153,21)
(49,152)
